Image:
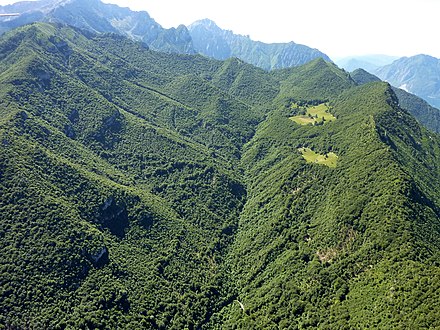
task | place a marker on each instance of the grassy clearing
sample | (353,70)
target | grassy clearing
(318,114)
(310,156)
(303,120)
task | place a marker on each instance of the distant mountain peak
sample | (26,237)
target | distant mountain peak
(205,22)
(99,17)
(366,62)
(425,56)
(203,36)
(210,40)
(207,25)
(419,74)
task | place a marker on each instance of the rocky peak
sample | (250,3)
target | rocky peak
(99,17)
(212,41)
(206,24)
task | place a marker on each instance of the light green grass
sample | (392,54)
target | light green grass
(315,115)
(310,156)
(303,120)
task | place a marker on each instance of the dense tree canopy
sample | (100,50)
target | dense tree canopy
(148,190)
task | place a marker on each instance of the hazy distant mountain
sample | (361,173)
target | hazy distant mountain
(366,62)
(207,38)
(98,17)
(419,75)
(210,40)
(426,114)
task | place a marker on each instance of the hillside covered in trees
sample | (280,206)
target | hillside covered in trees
(148,190)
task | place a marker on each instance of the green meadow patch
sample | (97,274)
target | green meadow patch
(315,115)
(310,156)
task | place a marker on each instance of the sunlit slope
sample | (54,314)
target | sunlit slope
(343,247)
(119,190)
(149,190)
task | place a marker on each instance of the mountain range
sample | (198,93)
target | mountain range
(143,189)
(95,16)
(366,62)
(212,41)
(419,75)
(203,37)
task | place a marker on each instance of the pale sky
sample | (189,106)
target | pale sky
(336,27)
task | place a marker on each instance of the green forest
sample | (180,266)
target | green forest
(145,190)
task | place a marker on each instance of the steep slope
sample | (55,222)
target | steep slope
(148,190)
(317,79)
(419,75)
(362,77)
(96,16)
(118,173)
(212,41)
(426,114)
(339,247)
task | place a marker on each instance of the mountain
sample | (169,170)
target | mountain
(418,74)
(204,36)
(426,114)
(98,17)
(366,62)
(362,77)
(146,190)
(212,41)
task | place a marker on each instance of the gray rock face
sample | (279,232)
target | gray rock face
(418,74)
(203,37)
(98,17)
(113,215)
(210,40)
(100,258)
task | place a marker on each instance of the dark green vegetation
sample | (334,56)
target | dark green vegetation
(149,190)
(426,114)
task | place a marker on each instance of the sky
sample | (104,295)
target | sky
(338,28)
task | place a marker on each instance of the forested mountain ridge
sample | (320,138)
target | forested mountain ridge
(84,110)
(324,236)
(426,114)
(149,190)
(212,41)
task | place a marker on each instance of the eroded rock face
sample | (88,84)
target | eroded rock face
(100,258)
(114,216)
(210,40)
(42,77)
(107,135)
(70,131)
(99,17)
